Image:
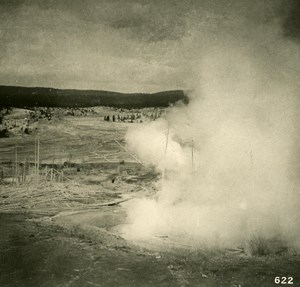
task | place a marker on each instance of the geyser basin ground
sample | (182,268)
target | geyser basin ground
(41,253)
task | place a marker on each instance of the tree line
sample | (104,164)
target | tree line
(25,97)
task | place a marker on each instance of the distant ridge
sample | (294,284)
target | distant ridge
(21,97)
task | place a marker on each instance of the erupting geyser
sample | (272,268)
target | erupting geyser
(241,123)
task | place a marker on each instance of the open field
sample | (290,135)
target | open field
(88,139)
(65,229)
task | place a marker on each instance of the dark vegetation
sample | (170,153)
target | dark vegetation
(24,97)
(4,133)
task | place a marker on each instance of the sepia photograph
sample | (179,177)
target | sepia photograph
(149,143)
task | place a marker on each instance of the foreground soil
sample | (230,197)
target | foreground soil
(66,251)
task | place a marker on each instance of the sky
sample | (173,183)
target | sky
(129,45)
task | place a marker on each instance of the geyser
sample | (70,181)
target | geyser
(241,124)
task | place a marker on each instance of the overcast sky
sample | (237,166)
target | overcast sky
(127,45)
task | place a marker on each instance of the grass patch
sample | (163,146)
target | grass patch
(258,245)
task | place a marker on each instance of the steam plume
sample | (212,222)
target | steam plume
(230,156)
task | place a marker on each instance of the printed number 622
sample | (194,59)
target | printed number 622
(284,280)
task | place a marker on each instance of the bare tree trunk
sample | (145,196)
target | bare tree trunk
(35,159)
(17,169)
(38,159)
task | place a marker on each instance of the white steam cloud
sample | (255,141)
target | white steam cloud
(229,156)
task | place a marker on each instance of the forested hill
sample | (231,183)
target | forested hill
(12,96)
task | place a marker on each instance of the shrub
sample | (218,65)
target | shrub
(4,133)
(258,246)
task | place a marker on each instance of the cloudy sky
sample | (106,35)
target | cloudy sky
(128,45)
